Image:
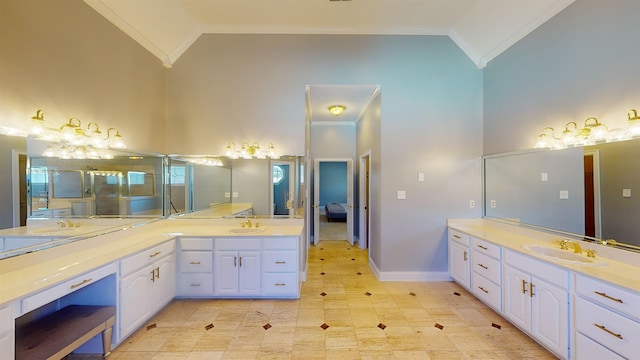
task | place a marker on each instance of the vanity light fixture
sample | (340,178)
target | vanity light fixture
(546,139)
(207,161)
(337,110)
(250,151)
(633,122)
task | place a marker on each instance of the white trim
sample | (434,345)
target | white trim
(15,185)
(409,275)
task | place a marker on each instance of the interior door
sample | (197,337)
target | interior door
(316,202)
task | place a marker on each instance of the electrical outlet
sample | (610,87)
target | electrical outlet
(564,194)
(493,203)
(401,195)
(472,203)
(235,194)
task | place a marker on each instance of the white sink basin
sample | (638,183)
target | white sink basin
(566,256)
(245,230)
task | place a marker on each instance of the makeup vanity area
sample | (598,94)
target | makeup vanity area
(137,262)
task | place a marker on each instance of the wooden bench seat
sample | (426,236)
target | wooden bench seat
(58,334)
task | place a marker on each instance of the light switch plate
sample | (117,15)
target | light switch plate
(227,194)
(564,194)
(235,194)
(420,177)
(626,193)
(544,176)
(401,195)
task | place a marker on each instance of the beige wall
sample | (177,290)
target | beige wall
(64,58)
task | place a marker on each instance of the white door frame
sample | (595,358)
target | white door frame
(316,197)
(364,191)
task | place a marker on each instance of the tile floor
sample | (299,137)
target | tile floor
(343,313)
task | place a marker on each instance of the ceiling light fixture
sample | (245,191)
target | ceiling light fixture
(337,110)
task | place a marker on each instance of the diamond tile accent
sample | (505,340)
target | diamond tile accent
(368,293)
(322,273)
(359,273)
(496,326)
(152,326)
(323,294)
(382,326)
(324,326)
(353,259)
(208,327)
(456,293)
(412,294)
(267,326)
(439,326)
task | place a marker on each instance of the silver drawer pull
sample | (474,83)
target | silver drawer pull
(609,297)
(195,263)
(601,327)
(194,285)
(483,289)
(483,266)
(81,283)
(155,254)
(280,284)
(281,262)
(482,247)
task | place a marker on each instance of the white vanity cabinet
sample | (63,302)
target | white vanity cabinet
(536,299)
(486,279)
(236,266)
(459,267)
(607,320)
(7,330)
(195,267)
(280,266)
(147,283)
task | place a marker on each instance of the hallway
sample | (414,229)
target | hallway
(343,313)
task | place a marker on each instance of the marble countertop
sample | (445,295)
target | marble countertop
(621,266)
(29,273)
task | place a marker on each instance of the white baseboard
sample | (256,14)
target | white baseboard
(409,275)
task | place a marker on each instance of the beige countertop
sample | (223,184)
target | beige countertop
(622,267)
(29,273)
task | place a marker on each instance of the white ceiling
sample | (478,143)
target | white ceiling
(481,28)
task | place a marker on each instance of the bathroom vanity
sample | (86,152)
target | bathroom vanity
(579,300)
(141,267)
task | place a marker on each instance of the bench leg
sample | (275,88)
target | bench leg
(106,342)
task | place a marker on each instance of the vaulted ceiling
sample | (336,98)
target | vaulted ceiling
(481,28)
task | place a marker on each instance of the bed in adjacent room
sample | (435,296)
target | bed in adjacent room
(335,212)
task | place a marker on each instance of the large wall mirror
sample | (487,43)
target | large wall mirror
(588,191)
(125,186)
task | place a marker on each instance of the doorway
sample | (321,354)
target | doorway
(592,221)
(363,196)
(19,191)
(283,184)
(333,200)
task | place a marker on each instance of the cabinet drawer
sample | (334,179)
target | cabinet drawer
(612,330)
(195,284)
(196,261)
(485,247)
(6,319)
(280,283)
(61,212)
(486,291)
(280,261)
(486,266)
(46,296)
(543,270)
(145,257)
(459,237)
(196,244)
(237,243)
(589,349)
(288,243)
(624,301)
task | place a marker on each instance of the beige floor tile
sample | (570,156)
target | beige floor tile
(355,303)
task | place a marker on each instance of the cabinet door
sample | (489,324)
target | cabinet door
(517,303)
(164,284)
(459,263)
(136,304)
(549,316)
(225,273)
(249,273)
